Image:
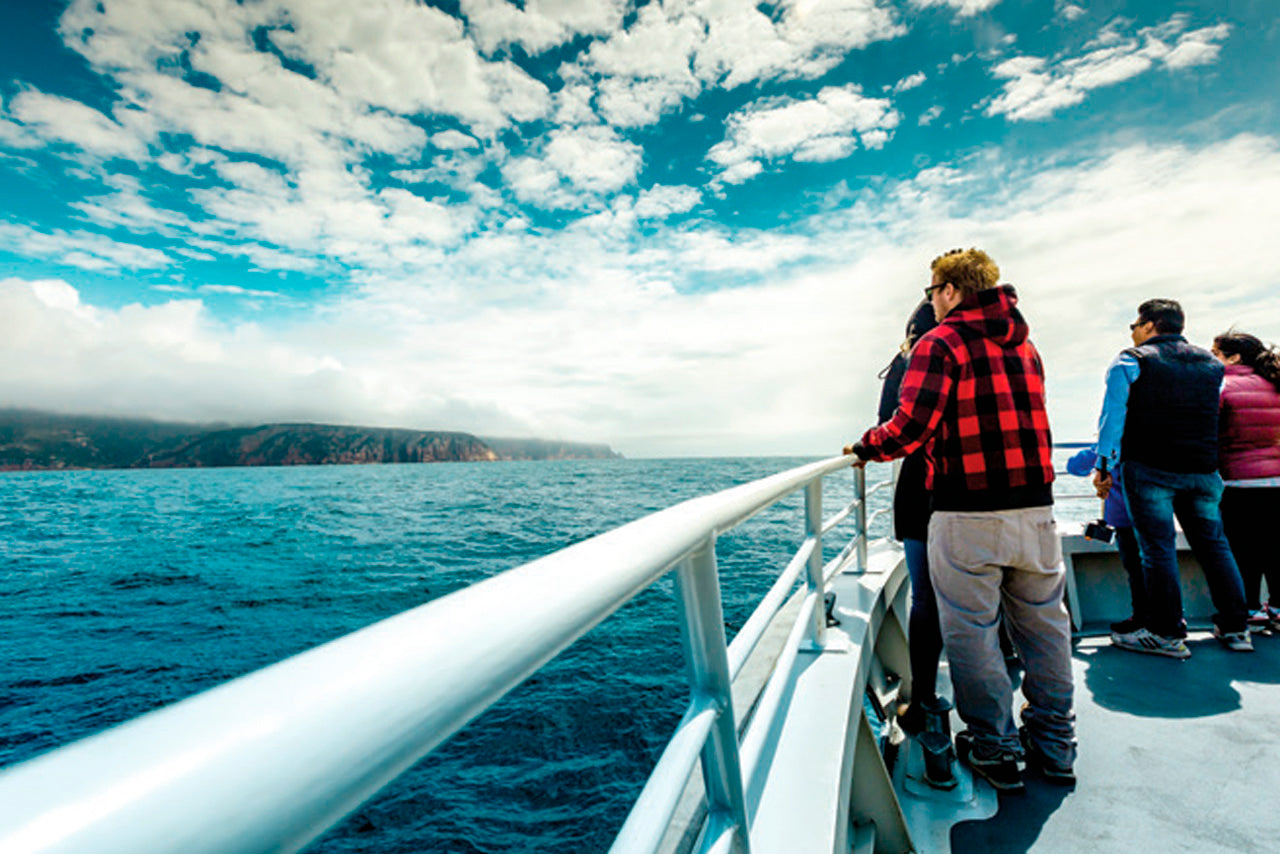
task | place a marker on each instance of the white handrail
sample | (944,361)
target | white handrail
(744,643)
(253,765)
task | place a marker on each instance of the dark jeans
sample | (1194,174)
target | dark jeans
(1155,497)
(1131,559)
(924,637)
(1249,515)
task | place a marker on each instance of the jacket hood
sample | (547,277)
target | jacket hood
(993,314)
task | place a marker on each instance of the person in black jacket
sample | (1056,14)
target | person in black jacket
(911,527)
(1159,428)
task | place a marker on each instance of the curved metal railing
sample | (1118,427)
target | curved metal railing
(237,768)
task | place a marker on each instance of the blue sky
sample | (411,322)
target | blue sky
(692,227)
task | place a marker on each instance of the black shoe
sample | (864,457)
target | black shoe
(998,769)
(1052,772)
(911,718)
(1124,627)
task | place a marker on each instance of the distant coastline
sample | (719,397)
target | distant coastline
(31,440)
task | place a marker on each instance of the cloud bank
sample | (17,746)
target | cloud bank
(630,359)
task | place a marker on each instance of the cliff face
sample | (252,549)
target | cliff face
(318,444)
(549,449)
(38,441)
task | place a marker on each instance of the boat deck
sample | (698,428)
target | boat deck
(1174,756)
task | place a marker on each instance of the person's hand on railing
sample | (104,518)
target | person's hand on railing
(1101,483)
(858,463)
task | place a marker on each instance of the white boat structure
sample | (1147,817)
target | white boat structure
(784,747)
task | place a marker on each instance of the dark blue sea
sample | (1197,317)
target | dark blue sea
(123,591)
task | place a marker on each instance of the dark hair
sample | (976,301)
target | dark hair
(921,321)
(1264,360)
(1165,314)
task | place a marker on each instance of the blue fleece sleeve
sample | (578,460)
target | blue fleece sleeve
(1115,406)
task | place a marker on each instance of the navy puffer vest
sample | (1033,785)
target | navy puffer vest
(1172,418)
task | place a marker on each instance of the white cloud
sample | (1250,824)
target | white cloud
(1036,88)
(452,140)
(573,167)
(811,38)
(826,127)
(639,102)
(235,290)
(375,66)
(964,8)
(662,201)
(1198,47)
(280,147)
(909,82)
(541,24)
(595,339)
(84,250)
(594,158)
(127,206)
(64,120)
(1068,11)
(930,115)
(673,52)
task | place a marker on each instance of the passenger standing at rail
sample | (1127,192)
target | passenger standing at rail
(911,527)
(973,394)
(1249,446)
(1160,423)
(1115,514)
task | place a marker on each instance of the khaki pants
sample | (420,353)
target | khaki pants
(982,563)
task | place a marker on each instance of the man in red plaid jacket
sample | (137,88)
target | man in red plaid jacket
(973,397)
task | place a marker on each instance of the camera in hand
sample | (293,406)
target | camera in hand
(1099,530)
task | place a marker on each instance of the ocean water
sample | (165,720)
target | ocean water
(123,591)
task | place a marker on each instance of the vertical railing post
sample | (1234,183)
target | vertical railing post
(706,653)
(860,526)
(817,633)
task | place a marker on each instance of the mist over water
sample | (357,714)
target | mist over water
(122,591)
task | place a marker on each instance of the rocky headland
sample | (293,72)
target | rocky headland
(31,440)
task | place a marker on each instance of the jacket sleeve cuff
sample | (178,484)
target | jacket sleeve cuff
(862,451)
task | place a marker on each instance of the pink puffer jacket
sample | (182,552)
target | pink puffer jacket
(1249,436)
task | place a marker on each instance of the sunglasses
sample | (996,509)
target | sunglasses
(1137,323)
(928,292)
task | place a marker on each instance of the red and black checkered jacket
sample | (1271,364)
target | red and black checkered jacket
(973,396)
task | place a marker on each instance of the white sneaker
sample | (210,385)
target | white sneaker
(1142,640)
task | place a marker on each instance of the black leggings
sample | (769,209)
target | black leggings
(1249,515)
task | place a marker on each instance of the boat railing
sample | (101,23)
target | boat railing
(269,761)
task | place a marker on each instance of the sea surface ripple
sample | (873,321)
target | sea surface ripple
(124,591)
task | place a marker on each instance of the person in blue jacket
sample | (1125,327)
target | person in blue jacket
(1115,514)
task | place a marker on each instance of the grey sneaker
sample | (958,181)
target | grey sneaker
(1234,641)
(1142,640)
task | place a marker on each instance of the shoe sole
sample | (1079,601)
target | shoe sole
(1036,761)
(999,785)
(1050,773)
(1167,653)
(1235,645)
(1057,778)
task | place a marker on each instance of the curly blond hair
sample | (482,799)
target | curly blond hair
(969,270)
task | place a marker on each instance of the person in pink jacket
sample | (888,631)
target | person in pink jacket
(1249,456)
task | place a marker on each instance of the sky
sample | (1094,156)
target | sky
(682,228)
